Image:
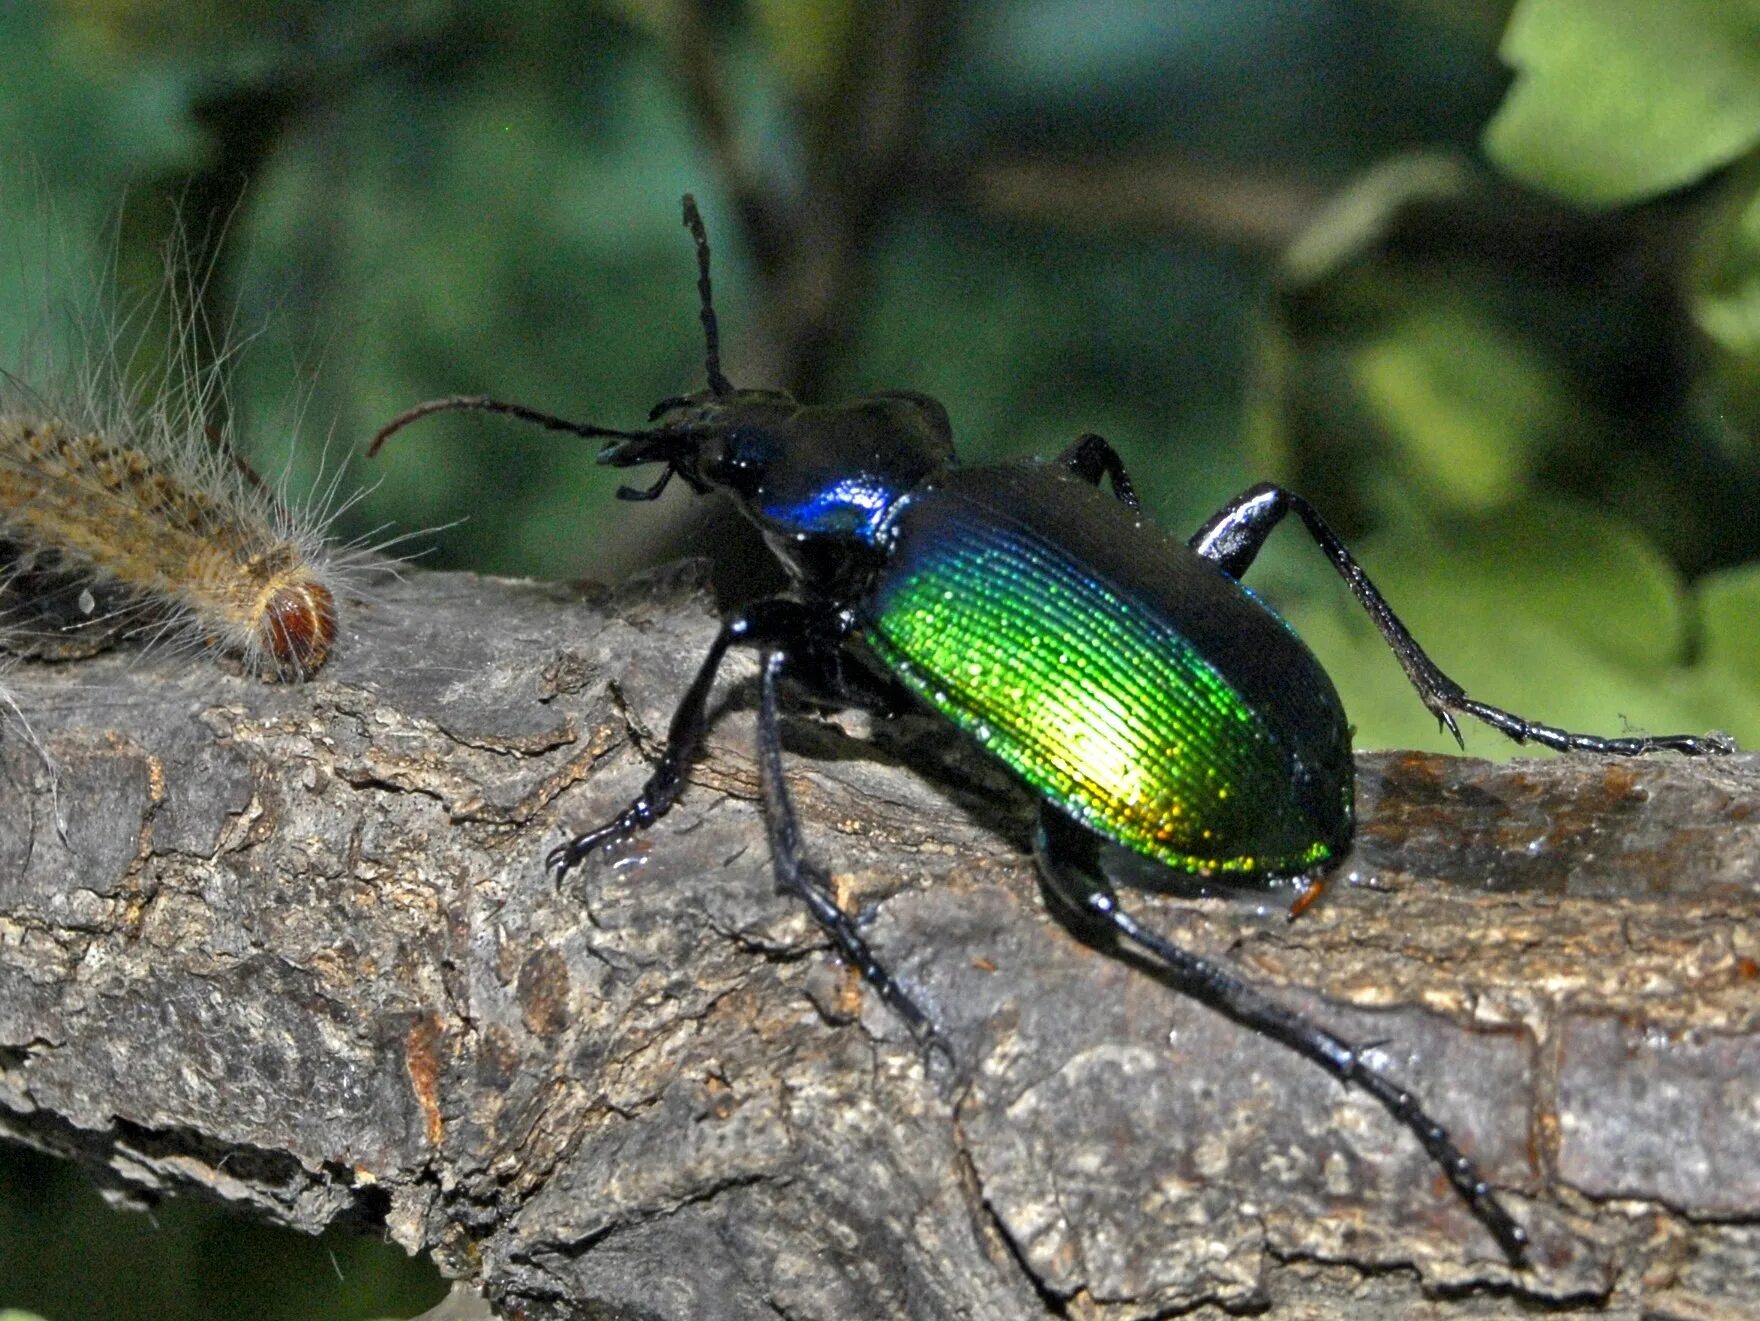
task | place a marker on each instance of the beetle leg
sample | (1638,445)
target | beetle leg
(1069,865)
(799,876)
(1091,458)
(1232,540)
(765,623)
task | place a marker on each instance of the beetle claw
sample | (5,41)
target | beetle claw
(930,1045)
(561,860)
(1445,721)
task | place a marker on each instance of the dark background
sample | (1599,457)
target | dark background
(1243,239)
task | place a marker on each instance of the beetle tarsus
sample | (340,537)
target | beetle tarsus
(765,620)
(1561,740)
(564,857)
(1473,1187)
(780,627)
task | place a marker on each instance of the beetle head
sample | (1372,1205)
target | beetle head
(797,469)
(794,467)
(706,438)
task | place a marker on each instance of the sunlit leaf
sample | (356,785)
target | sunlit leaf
(1724,301)
(1358,216)
(1616,100)
(1728,308)
(1729,606)
(1729,615)
(1464,400)
(808,40)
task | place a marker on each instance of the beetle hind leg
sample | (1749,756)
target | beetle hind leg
(1232,540)
(799,876)
(1069,865)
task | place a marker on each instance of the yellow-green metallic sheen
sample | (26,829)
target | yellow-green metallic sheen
(1089,689)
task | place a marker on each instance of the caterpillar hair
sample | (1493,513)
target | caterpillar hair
(121,486)
(15,726)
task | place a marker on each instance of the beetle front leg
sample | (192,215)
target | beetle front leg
(1091,458)
(1070,868)
(1232,540)
(799,876)
(762,624)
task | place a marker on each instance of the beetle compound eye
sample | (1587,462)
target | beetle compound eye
(744,450)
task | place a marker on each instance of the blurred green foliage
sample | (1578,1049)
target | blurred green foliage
(1241,238)
(1619,100)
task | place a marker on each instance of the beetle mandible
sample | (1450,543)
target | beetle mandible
(1196,730)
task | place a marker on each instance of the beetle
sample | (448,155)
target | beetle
(1156,707)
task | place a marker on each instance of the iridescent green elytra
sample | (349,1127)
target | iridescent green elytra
(1071,640)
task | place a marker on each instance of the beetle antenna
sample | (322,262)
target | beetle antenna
(482,403)
(693,221)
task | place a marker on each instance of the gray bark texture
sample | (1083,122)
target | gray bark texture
(298,951)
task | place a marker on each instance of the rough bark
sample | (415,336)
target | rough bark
(298,951)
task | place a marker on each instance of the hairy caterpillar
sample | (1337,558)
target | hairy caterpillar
(121,491)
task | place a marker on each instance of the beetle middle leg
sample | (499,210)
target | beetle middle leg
(1232,540)
(798,875)
(1070,867)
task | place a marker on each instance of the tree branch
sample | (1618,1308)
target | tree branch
(298,952)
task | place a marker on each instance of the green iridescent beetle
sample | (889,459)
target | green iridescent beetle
(1152,703)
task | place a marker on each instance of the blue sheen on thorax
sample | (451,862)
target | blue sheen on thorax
(859,506)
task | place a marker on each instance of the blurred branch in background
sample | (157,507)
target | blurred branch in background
(1261,211)
(859,108)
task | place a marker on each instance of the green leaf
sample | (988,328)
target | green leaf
(1727,309)
(1723,297)
(1357,219)
(1465,402)
(1617,100)
(1729,605)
